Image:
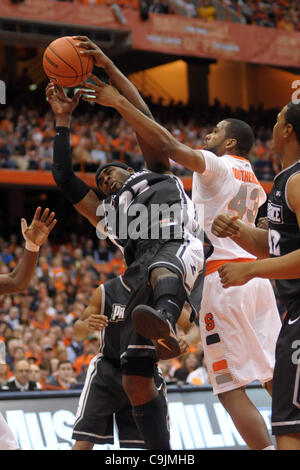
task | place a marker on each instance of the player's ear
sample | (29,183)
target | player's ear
(230,144)
(130,170)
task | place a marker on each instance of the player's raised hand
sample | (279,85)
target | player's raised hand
(97,322)
(226,225)
(91,49)
(37,232)
(236,274)
(100,92)
(59,102)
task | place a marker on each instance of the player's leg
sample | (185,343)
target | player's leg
(247,418)
(101,397)
(269,387)
(286,384)
(288,442)
(172,273)
(7,438)
(236,354)
(83,445)
(148,407)
(158,322)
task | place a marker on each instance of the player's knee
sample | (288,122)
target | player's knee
(83,445)
(157,274)
(139,389)
(138,378)
(226,398)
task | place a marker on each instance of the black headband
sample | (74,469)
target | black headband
(116,163)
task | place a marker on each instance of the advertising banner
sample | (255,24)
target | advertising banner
(198,421)
(171,34)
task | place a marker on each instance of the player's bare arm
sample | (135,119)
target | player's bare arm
(117,78)
(159,138)
(252,239)
(35,235)
(91,319)
(126,88)
(83,198)
(281,267)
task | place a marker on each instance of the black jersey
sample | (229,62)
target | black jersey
(284,233)
(149,206)
(115,295)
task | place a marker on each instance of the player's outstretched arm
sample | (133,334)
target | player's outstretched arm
(35,235)
(252,239)
(126,88)
(117,78)
(280,267)
(155,135)
(91,319)
(75,189)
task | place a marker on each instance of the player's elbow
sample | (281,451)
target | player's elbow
(16,284)
(60,175)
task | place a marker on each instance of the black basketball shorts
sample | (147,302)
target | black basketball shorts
(286,381)
(102,399)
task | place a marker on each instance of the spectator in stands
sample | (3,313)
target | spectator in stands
(35,373)
(206,10)
(64,379)
(189,363)
(263,167)
(159,6)
(167,368)
(20,380)
(90,348)
(184,8)
(3,375)
(199,376)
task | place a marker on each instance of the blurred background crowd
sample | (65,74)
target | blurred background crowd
(282,14)
(37,325)
(99,136)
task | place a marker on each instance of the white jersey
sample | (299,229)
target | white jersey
(228,185)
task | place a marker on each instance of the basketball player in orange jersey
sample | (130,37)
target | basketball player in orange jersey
(281,243)
(239,327)
(17,280)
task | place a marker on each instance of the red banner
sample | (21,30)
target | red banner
(172,34)
(56,12)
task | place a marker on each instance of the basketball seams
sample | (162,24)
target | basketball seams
(59,59)
(49,73)
(75,48)
(66,63)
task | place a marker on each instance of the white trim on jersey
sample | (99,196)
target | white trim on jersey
(91,372)
(124,285)
(296,396)
(285,190)
(102,312)
(95,435)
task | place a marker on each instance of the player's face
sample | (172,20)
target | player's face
(215,141)
(279,130)
(111,180)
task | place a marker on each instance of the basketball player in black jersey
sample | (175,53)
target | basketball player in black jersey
(103,395)
(282,244)
(138,353)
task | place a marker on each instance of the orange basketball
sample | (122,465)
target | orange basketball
(64,64)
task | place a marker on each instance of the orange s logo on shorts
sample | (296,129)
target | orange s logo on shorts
(209,321)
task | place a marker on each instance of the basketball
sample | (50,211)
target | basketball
(64,64)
